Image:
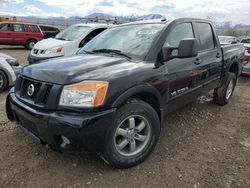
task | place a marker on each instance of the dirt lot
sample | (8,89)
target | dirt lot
(201,145)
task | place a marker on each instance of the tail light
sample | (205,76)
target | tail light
(246,60)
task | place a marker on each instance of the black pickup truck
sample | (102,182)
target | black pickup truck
(111,97)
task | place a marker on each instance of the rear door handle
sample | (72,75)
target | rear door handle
(197,61)
(218,55)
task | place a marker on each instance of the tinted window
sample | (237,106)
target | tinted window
(18,28)
(181,31)
(34,28)
(206,36)
(47,28)
(90,36)
(245,41)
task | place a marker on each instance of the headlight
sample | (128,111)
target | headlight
(84,94)
(54,50)
(12,62)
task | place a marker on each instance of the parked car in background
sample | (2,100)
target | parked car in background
(246,44)
(65,43)
(112,96)
(225,40)
(49,31)
(19,33)
(9,69)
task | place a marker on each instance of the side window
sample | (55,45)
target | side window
(206,36)
(18,28)
(6,27)
(90,36)
(34,29)
(180,31)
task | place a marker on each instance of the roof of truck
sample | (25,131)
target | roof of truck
(165,20)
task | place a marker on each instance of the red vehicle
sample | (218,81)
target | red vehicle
(19,33)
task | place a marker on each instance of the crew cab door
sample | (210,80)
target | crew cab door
(19,35)
(182,73)
(209,56)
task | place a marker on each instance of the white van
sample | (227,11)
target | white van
(65,43)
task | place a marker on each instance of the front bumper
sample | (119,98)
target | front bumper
(34,59)
(85,131)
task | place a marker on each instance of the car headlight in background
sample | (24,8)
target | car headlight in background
(53,50)
(12,62)
(84,94)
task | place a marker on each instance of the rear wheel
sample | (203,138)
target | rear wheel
(133,136)
(223,94)
(3,81)
(30,44)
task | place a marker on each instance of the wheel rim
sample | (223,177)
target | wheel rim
(1,81)
(132,135)
(229,89)
(32,44)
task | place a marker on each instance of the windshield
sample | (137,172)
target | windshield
(225,39)
(72,33)
(133,40)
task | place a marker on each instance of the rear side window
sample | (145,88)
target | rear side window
(34,29)
(18,28)
(180,31)
(206,36)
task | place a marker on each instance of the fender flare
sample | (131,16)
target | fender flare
(137,90)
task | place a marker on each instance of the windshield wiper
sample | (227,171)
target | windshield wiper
(118,52)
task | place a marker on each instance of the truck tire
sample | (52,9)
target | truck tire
(30,44)
(133,135)
(3,81)
(223,94)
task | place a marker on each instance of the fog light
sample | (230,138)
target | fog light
(65,142)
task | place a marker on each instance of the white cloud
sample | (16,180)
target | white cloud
(32,10)
(4,2)
(237,10)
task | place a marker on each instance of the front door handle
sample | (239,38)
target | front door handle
(197,61)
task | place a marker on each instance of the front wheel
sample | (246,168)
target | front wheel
(133,135)
(223,94)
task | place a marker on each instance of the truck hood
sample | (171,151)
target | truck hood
(49,43)
(81,67)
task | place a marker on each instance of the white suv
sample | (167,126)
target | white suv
(65,43)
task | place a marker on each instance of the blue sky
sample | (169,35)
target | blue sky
(237,11)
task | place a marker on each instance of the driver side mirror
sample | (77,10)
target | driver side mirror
(187,48)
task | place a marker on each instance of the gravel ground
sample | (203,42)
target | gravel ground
(201,145)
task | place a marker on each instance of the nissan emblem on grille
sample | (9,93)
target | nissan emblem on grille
(30,90)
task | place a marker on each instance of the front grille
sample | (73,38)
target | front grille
(25,87)
(37,93)
(36,51)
